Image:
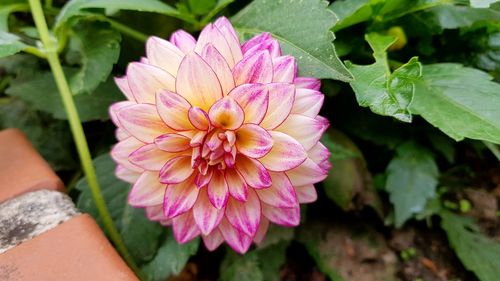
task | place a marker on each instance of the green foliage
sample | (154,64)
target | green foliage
(9,44)
(444,98)
(412,177)
(310,42)
(384,92)
(477,252)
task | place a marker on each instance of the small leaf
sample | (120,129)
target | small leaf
(138,233)
(310,42)
(10,44)
(349,176)
(412,177)
(40,91)
(98,47)
(462,102)
(376,87)
(170,259)
(241,268)
(477,252)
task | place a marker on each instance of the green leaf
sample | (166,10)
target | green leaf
(8,7)
(98,47)
(42,131)
(412,177)
(351,12)
(41,92)
(482,3)
(241,268)
(170,259)
(303,30)
(10,44)
(75,8)
(386,93)
(462,102)
(451,16)
(140,235)
(477,252)
(349,178)
(200,7)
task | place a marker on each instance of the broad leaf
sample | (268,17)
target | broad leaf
(75,8)
(482,3)
(451,16)
(462,102)
(10,44)
(170,259)
(477,252)
(303,29)
(140,235)
(412,177)
(241,268)
(41,92)
(97,47)
(351,12)
(376,87)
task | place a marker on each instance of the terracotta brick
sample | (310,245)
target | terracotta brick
(75,250)
(22,169)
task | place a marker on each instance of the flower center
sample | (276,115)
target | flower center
(214,149)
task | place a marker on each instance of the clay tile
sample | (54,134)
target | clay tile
(22,169)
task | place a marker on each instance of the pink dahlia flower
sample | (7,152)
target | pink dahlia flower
(219,139)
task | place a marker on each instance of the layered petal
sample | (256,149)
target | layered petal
(236,185)
(253,172)
(237,240)
(307,83)
(146,80)
(282,216)
(143,122)
(147,191)
(281,99)
(206,216)
(213,240)
(164,55)
(280,194)
(185,228)
(122,84)
(306,193)
(174,110)
(245,216)
(306,130)
(179,198)
(197,82)
(123,149)
(286,153)
(218,192)
(306,173)
(253,99)
(183,40)
(231,37)
(150,157)
(219,66)
(284,69)
(212,35)
(173,142)
(253,141)
(307,102)
(176,170)
(257,68)
(126,175)
(226,114)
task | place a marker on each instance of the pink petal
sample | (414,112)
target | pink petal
(173,142)
(146,80)
(282,216)
(306,193)
(176,170)
(212,35)
(262,231)
(199,118)
(219,66)
(150,157)
(122,150)
(226,114)
(213,240)
(237,240)
(173,110)
(202,180)
(218,192)
(147,191)
(306,130)
(155,213)
(206,216)
(179,198)
(280,194)
(284,69)
(126,175)
(231,37)
(114,108)
(185,228)
(307,173)
(163,54)
(307,83)
(253,172)
(285,155)
(281,99)
(143,122)
(253,141)
(307,102)
(197,82)
(183,40)
(245,216)
(122,84)
(263,42)
(237,186)
(257,68)
(320,155)
(121,134)
(254,99)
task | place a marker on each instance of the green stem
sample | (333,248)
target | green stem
(77,129)
(127,30)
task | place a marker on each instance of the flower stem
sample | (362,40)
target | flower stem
(50,50)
